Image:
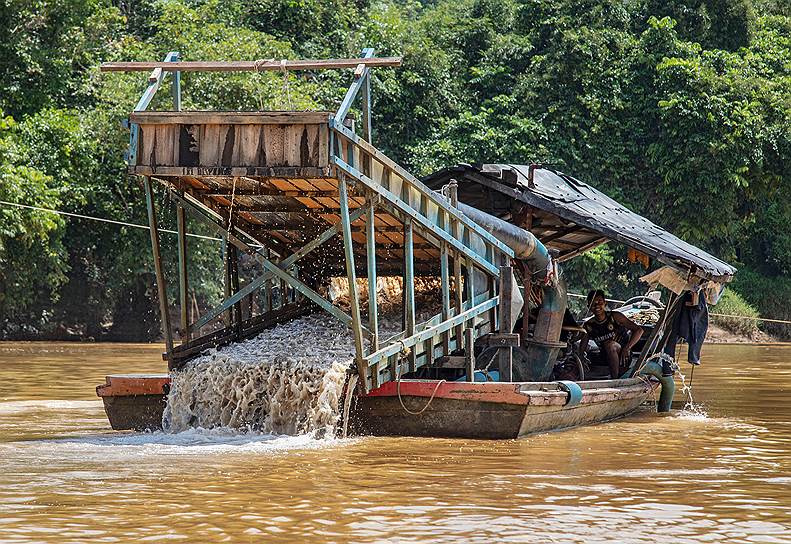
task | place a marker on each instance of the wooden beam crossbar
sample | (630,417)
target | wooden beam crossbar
(263,65)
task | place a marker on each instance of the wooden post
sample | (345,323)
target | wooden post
(469,353)
(234,277)
(505,354)
(161,287)
(226,260)
(409,288)
(370,249)
(458,296)
(183,295)
(176,85)
(351,274)
(445,279)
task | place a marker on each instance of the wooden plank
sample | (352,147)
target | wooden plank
(147,142)
(275,145)
(227,141)
(250,66)
(293,140)
(164,145)
(209,151)
(312,135)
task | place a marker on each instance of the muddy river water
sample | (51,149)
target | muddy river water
(66,477)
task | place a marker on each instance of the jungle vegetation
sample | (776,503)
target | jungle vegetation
(680,109)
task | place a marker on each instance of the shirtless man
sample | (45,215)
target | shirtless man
(609,330)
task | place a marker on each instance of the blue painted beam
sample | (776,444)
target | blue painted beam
(370,251)
(422,188)
(218,222)
(423,221)
(266,276)
(354,302)
(351,94)
(430,332)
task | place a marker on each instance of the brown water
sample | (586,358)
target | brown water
(65,477)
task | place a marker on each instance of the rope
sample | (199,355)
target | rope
(398,387)
(103,220)
(286,88)
(407,410)
(257,65)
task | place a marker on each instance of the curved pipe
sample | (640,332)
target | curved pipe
(654,368)
(525,246)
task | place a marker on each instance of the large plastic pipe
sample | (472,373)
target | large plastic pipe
(525,246)
(654,368)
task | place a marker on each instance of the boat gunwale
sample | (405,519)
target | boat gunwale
(518,393)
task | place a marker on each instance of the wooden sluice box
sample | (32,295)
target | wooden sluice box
(230,143)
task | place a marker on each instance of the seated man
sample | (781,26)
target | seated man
(609,330)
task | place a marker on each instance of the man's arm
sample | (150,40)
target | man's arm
(634,328)
(583,345)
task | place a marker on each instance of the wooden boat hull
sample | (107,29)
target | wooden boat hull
(135,402)
(492,410)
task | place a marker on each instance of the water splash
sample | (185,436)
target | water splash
(288,380)
(690,408)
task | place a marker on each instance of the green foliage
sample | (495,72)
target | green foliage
(732,303)
(715,24)
(31,252)
(681,110)
(770,295)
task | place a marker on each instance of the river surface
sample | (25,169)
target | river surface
(66,477)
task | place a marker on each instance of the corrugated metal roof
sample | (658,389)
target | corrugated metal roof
(574,201)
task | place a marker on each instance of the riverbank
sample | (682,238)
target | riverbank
(719,335)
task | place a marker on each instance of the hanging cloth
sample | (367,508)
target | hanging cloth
(691,323)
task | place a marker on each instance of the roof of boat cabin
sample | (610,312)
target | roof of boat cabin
(570,216)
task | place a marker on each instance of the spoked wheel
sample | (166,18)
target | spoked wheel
(570,368)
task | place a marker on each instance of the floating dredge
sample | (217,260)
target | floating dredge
(283,188)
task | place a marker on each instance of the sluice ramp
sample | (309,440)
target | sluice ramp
(308,198)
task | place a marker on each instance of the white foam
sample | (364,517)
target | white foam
(193,441)
(287,380)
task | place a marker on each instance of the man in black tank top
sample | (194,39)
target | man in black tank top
(610,330)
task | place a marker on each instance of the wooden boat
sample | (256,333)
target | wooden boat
(493,410)
(425,407)
(269,181)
